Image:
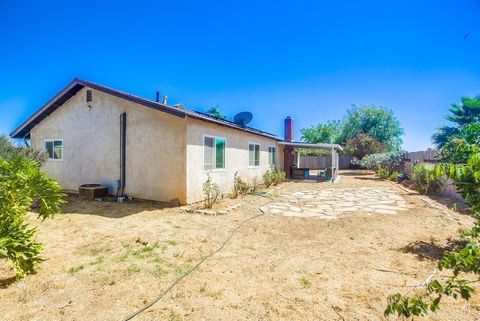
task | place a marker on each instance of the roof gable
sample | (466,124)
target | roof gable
(23,131)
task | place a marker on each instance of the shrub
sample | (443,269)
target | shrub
(268,177)
(254,185)
(395,176)
(389,161)
(21,184)
(425,179)
(211,191)
(383,173)
(280,177)
(239,186)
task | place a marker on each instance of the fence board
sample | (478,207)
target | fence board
(321,162)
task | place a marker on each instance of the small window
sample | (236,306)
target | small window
(213,153)
(272,156)
(253,155)
(54,149)
(89,95)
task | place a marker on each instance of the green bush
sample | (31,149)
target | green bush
(211,191)
(21,184)
(269,177)
(425,179)
(383,173)
(273,177)
(280,177)
(394,176)
(389,161)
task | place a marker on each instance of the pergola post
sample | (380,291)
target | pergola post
(333,164)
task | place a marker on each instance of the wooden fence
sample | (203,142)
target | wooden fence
(322,162)
(428,156)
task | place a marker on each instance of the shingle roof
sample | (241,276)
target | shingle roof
(23,131)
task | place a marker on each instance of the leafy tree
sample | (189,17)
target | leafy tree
(21,185)
(216,112)
(363,145)
(467,112)
(322,133)
(460,146)
(378,122)
(9,151)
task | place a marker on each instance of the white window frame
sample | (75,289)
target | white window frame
(275,156)
(53,140)
(259,154)
(214,154)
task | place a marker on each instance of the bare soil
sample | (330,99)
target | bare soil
(105,260)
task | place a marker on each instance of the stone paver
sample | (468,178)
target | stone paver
(333,202)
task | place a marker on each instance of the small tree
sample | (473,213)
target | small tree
(363,145)
(239,186)
(211,191)
(21,184)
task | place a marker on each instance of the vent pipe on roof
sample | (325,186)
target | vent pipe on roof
(157,98)
(289,130)
(164,100)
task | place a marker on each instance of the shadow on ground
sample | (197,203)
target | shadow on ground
(5,282)
(358,172)
(425,251)
(111,209)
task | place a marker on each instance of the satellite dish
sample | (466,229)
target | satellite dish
(243,118)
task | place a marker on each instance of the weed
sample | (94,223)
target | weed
(98,260)
(215,294)
(133,269)
(174,317)
(75,269)
(203,288)
(158,271)
(22,296)
(305,282)
(171,242)
(95,250)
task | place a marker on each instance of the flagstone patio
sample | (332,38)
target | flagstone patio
(334,202)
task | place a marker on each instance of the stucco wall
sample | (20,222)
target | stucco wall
(155,146)
(236,157)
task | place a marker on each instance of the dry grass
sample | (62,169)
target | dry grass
(104,260)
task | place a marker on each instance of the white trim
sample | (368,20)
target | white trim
(275,154)
(259,154)
(53,140)
(309,145)
(214,170)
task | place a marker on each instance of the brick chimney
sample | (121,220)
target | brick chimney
(289,130)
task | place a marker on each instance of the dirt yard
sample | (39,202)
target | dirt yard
(321,252)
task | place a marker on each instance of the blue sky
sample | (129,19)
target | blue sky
(309,60)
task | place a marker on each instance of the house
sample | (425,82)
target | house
(147,149)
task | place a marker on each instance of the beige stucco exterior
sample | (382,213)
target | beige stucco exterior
(164,153)
(155,146)
(236,159)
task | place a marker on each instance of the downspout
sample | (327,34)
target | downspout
(123,137)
